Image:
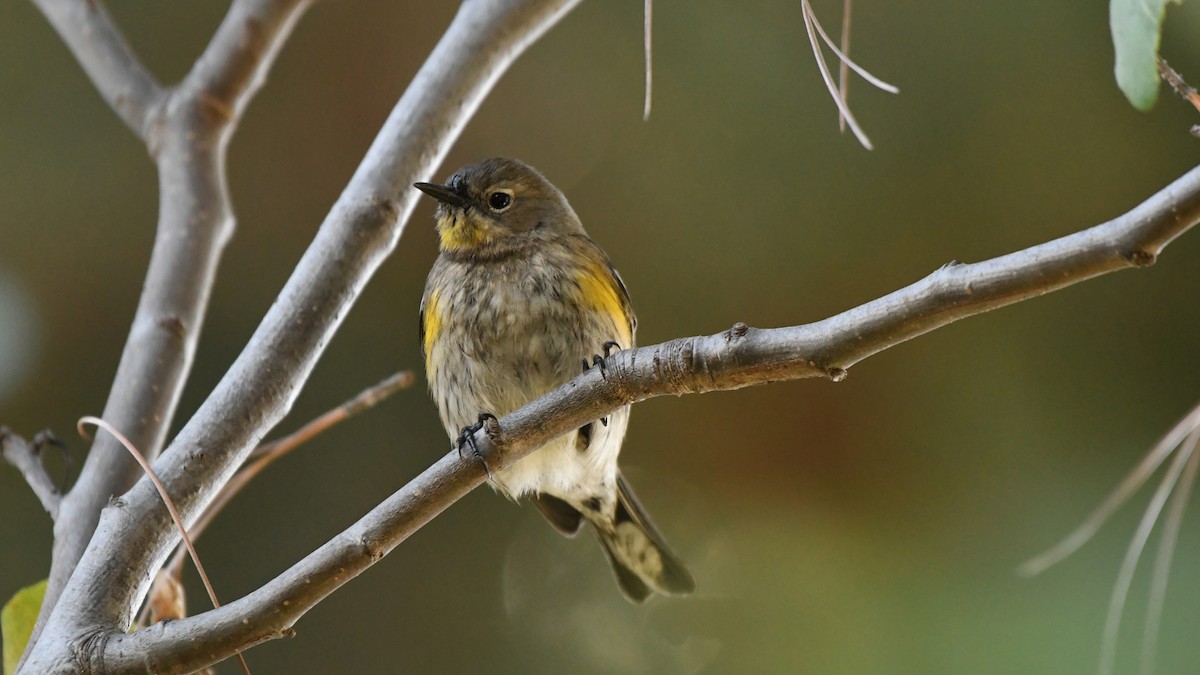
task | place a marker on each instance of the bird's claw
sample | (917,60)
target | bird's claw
(597,360)
(467,438)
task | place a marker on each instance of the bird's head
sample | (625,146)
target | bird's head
(497,207)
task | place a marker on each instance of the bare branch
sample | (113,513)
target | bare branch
(24,457)
(134,534)
(736,358)
(98,45)
(188,140)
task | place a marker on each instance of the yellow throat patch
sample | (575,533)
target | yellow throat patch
(455,233)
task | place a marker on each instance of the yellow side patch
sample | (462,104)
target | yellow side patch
(432,316)
(600,293)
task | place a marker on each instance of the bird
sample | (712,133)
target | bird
(517,299)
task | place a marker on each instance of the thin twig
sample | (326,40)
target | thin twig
(166,500)
(739,357)
(24,457)
(367,398)
(1186,91)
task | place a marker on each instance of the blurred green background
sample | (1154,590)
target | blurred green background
(871,526)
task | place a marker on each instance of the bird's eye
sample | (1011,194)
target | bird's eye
(500,200)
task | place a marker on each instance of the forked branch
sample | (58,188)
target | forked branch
(134,535)
(186,129)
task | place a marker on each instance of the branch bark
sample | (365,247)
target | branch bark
(735,358)
(134,534)
(187,130)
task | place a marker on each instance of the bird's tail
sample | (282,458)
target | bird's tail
(639,555)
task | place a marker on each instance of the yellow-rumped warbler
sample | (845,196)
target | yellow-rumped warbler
(519,295)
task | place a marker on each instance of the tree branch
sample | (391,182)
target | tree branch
(24,457)
(735,358)
(88,31)
(187,135)
(134,534)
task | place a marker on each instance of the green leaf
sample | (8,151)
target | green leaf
(1136,29)
(16,622)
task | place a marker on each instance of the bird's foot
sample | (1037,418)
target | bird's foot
(466,438)
(601,362)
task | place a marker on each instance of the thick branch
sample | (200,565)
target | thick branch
(134,534)
(24,457)
(98,45)
(189,137)
(735,358)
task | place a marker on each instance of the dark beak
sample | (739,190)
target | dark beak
(444,194)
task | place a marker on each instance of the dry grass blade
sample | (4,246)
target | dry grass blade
(846,61)
(1132,483)
(807,12)
(1166,552)
(844,68)
(1116,603)
(646,108)
(162,493)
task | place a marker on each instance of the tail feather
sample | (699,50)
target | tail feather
(630,583)
(564,517)
(640,556)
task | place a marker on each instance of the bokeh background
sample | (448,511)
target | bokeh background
(871,526)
